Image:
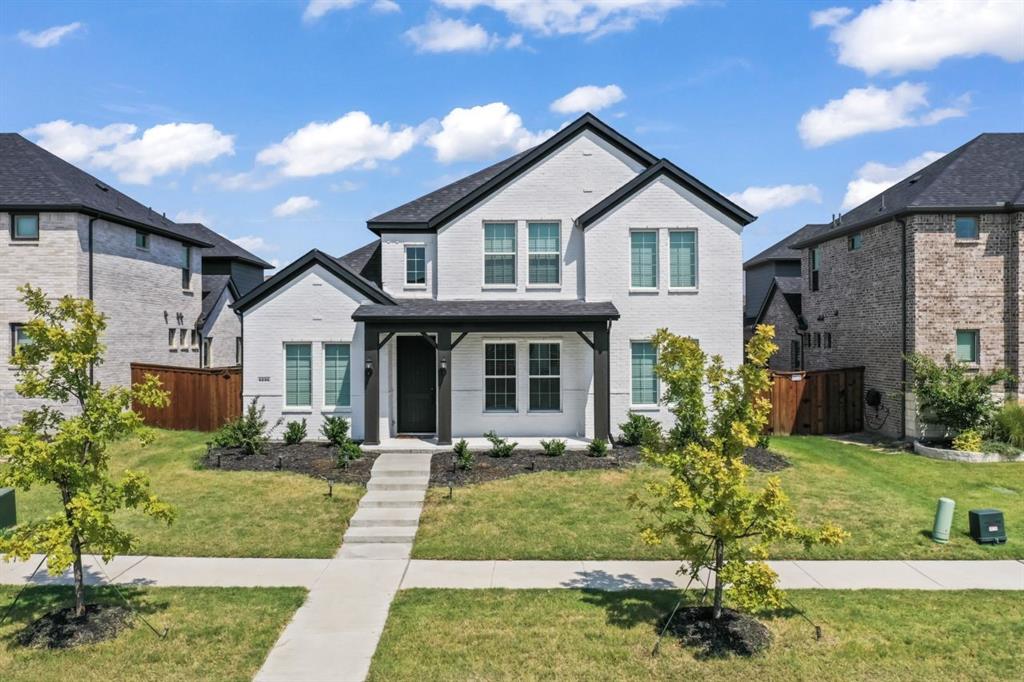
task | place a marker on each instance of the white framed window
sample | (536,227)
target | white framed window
(172,338)
(500,254)
(142,240)
(298,375)
(966,226)
(499,376)
(545,376)
(337,375)
(415,265)
(968,348)
(644,382)
(545,252)
(682,254)
(183,339)
(643,259)
(193,339)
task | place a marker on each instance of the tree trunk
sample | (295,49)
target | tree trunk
(76,550)
(719,586)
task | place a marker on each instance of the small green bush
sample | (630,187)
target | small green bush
(1009,424)
(955,396)
(499,446)
(348,451)
(295,432)
(463,457)
(554,447)
(639,429)
(248,432)
(335,430)
(969,441)
(1001,448)
(598,447)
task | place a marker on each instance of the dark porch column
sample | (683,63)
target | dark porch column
(444,387)
(602,385)
(371,392)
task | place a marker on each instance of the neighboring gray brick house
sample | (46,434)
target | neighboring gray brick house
(782,308)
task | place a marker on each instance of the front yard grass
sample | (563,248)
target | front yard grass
(214,634)
(586,635)
(886,500)
(220,513)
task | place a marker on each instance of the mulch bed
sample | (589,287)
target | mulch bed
(734,633)
(765,460)
(487,468)
(312,459)
(63,630)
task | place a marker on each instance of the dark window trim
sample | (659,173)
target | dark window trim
(815,269)
(14,218)
(186,269)
(145,239)
(850,241)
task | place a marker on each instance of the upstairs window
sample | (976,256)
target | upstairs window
(643,258)
(141,239)
(545,253)
(794,354)
(967,346)
(815,268)
(855,241)
(238,350)
(500,377)
(966,227)
(186,266)
(19,337)
(337,375)
(25,226)
(204,359)
(416,265)
(298,375)
(500,253)
(644,381)
(545,377)
(682,247)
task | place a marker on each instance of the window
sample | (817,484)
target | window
(855,241)
(337,375)
(966,227)
(828,339)
(19,337)
(545,253)
(172,338)
(182,336)
(298,375)
(193,339)
(238,350)
(416,265)
(24,226)
(817,339)
(141,239)
(645,383)
(682,252)
(815,268)
(967,345)
(500,253)
(643,256)
(794,354)
(545,376)
(205,357)
(500,377)
(186,266)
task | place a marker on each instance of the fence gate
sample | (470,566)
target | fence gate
(815,403)
(201,399)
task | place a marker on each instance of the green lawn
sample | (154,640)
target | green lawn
(580,635)
(886,500)
(214,634)
(221,513)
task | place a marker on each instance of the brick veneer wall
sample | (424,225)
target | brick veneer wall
(781,316)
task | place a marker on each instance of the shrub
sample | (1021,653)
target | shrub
(639,429)
(499,446)
(248,432)
(957,397)
(598,447)
(1009,424)
(335,430)
(348,451)
(295,432)
(554,447)
(1000,448)
(463,456)
(969,441)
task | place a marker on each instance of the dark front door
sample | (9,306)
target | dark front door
(417,385)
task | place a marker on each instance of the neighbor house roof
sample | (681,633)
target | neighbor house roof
(783,249)
(432,310)
(790,290)
(33,179)
(213,288)
(222,246)
(985,174)
(366,261)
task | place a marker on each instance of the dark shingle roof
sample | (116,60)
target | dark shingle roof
(222,246)
(366,261)
(213,287)
(985,173)
(410,310)
(783,249)
(790,288)
(32,178)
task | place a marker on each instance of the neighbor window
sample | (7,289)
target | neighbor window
(643,258)
(238,350)
(966,227)
(182,336)
(415,265)
(19,337)
(193,339)
(794,354)
(855,241)
(645,383)
(204,359)
(186,266)
(545,373)
(298,375)
(141,239)
(545,252)
(172,338)
(815,268)
(337,373)
(682,251)
(500,253)
(817,339)
(967,345)
(500,377)
(828,339)
(25,226)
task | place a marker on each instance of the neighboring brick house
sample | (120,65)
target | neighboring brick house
(931,265)
(782,308)
(759,272)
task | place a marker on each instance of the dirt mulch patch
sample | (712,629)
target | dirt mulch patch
(64,630)
(486,468)
(765,460)
(734,633)
(318,460)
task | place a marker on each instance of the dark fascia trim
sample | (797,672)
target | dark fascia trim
(766,302)
(764,260)
(255,260)
(665,167)
(303,263)
(103,215)
(585,122)
(482,325)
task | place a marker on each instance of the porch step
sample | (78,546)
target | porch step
(401,473)
(382,534)
(398,482)
(385,499)
(375,517)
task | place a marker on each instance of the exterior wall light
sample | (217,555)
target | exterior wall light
(444,364)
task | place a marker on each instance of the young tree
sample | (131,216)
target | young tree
(955,395)
(70,452)
(706,506)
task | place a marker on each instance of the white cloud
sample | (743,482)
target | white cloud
(760,200)
(901,35)
(829,17)
(874,178)
(558,17)
(871,109)
(481,132)
(254,243)
(293,205)
(385,6)
(198,216)
(588,98)
(455,35)
(160,150)
(48,37)
(352,140)
(246,180)
(316,9)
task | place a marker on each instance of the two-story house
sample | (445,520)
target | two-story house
(931,265)
(520,299)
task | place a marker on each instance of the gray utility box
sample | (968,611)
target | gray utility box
(8,515)
(987,526)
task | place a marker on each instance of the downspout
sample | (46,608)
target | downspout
(903,304)
(92,366)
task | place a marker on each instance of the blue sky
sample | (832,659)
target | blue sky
(285,125)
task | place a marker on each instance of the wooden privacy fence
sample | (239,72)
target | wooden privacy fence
(201,399)
(827,401)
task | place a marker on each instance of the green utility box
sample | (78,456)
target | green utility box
(8,516)
(987,526)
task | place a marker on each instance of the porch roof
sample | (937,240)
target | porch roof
(537,310)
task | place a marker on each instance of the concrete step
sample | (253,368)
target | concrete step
(382,534)
(378,499)
(401,473)
(387,550)
(397,483)
(367,517)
